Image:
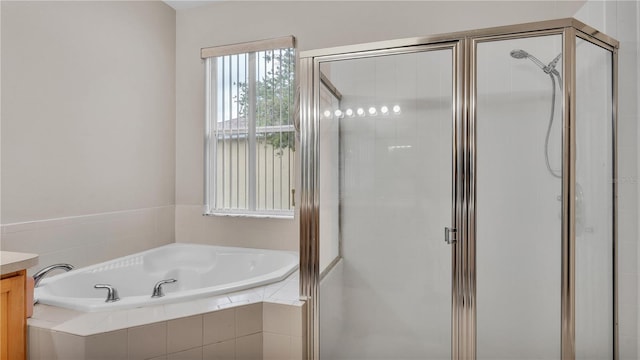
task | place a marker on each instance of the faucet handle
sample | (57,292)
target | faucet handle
(112,292)
(157,289)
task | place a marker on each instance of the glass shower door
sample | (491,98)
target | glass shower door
(386,146)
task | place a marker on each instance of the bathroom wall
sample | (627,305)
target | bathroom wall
(620,19)
(316,24)
(88,128)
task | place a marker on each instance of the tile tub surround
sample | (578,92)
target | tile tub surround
(260,323)
(90,239)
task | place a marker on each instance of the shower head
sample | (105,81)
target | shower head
(519,54)
(550,68)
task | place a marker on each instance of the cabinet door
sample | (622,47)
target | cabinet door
(12,317)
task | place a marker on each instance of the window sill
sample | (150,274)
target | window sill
(257,215)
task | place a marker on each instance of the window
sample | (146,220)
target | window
(250,137)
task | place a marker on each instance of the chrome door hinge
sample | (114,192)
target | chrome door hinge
(450,235)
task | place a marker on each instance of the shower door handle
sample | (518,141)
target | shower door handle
(450,235)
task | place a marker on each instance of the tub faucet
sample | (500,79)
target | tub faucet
(112,293)
(157,289)
(37,277)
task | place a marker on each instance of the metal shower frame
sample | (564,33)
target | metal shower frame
(464,47)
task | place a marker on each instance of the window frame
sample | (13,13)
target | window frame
(211,175)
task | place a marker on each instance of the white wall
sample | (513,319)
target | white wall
(316,24)
(88,128)
(620,19)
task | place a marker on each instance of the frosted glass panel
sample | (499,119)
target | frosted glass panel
(594,205)
(389,294)
(518,207)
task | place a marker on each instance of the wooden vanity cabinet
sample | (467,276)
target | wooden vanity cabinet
(13,316)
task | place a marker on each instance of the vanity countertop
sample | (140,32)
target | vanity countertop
(15,261)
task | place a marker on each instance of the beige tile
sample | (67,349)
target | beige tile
(299,320)
(288,292)
(249,347)
(59,345)
(181,309)
(275,346)
(53,314)
(104,251)
(165,217)
(108,346)
(191,354)
(248,319)
(297,346)
(19,227)
(33,343)
(85,324)
(67,346)
(219,326)
(277,318)
(183,334)
(45,340)
(148,341)
(225,350)
(137,316)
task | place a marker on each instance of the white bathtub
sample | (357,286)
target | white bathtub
(200,271)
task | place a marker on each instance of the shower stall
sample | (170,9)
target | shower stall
(458,196)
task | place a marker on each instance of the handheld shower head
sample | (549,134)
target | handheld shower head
(550,68)
(519,54)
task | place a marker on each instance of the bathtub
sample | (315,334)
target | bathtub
(200,270)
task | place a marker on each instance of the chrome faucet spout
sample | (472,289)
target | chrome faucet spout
(37,277)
